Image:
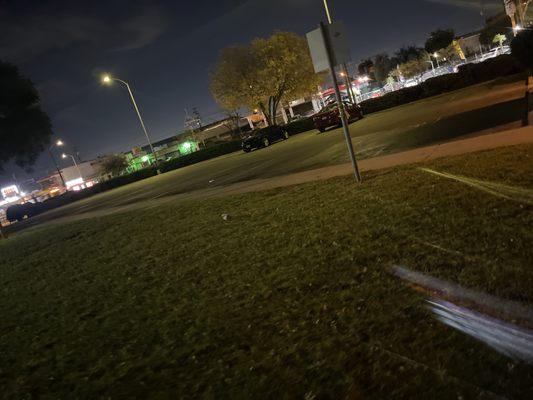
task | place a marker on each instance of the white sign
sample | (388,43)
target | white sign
(74,182)
(339,46)
(10,192)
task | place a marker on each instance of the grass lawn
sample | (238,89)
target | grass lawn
(429,121)
(291,297)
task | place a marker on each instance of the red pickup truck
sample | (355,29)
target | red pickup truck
(329,115)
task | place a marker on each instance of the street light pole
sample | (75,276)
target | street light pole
(107,79)
(437,59)
(58,143)
(75,163)
(326,7)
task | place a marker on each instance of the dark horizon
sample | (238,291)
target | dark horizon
(165,53)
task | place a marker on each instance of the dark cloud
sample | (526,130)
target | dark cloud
(27,34)
(488,5)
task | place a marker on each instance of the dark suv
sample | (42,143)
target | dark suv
(264,137)
(18,212)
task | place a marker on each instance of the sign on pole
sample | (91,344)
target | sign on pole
(323,46)
(339,45)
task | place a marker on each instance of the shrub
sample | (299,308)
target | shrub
(522,49)
(490,69)
(125,179)
(202,155)
(392,99)
(469,74)
(299,126)
(67,198)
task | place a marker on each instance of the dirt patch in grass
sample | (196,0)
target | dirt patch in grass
(289,298)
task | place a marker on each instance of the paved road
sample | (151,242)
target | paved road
(434,120)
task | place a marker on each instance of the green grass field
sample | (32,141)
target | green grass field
(291,297)
(422,123)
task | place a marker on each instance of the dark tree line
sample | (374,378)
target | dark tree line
(25,129)
(381,65)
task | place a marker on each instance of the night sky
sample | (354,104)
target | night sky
(165,49)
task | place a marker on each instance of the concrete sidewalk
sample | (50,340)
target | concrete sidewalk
(469,145)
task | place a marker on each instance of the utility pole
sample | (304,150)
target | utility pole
(328,15)
(57,167)
(482,12)
(75,163)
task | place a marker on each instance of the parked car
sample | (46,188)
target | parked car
(18,212)
(495,53)
(329,115)
(411,83)
(264,137)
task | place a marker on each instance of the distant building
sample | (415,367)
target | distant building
(470,43)
(305,106)
(51,183)
(166,149)
(82,175)
(224,130)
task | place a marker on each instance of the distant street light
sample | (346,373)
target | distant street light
(57,143)
(107,80)
(436,55)
(75,163)
(516,29)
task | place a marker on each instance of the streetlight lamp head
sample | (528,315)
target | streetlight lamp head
(435,54)
(59,143)
(106,79)
(63,155)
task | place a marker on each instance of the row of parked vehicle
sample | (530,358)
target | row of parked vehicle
(328,117)
(18,212)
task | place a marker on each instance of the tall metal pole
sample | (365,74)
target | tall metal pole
(326,7)
(57,167)
(342,113)
(76,165)
(344,67)
(140,118)
(348,83)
